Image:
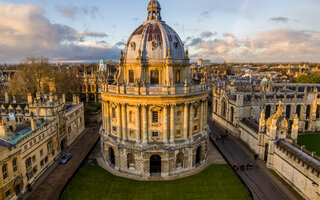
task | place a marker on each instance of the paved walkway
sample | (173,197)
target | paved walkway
(262,183)
(52,182)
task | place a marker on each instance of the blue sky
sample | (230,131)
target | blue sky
(241,30)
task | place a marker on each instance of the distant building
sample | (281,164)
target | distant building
(32,136)
(203,63)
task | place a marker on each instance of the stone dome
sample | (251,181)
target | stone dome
(154,39)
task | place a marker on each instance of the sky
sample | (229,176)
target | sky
(219,30)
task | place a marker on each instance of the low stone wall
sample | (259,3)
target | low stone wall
(298,169)
(225,124)
(249,136)
(93,118)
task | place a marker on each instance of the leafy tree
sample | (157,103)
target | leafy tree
(306,79)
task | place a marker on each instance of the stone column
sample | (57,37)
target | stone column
(172,124)
(108,127)
(165,124)
(145,124)
(191,118)
(138,124)
(124,121)
(185,121)
(201,117)
(119,121)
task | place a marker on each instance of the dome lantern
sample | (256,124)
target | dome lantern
(154,9)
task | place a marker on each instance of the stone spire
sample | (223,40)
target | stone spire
(154,9)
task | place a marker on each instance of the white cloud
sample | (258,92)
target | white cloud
(25,31)
(266,46)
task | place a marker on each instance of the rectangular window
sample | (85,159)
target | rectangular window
(155,134)
(28,163)
(41,163)
(5,171)
(155,117)
(131,76)
(195,128)
(155,77)
(46,159)
(114,113)
(33,158)
(318,112)
(298,110)
(114,129)
(49,145)
(8,193)
(41,152)
(14,165)
(178,133)
(69,129)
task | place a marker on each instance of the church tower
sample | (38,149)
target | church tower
(154,114)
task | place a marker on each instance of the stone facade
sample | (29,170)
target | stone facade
(154,115)
(274,143)
(32,136)
(231,103)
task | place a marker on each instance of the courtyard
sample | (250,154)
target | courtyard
(311,142)
(215,182)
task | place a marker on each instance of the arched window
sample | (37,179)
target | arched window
(268,111)
(131,76)
(298,110)
(131,117)
(179,162)
(177,79)
(318,112)
(196,110)
(232,114)
(5,171)
(111,157)
(308,111)
(198,155)
(154,77)
(130,161)
(224,108)
(288,111)
(178,116)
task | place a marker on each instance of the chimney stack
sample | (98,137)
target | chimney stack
(6,97)
(33,124)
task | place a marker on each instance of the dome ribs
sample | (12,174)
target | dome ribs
(139,30)
(154,33)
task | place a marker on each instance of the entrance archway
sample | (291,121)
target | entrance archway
(198,155)
(63,144)
(111,157)
(155,165)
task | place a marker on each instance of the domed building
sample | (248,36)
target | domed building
(154,115)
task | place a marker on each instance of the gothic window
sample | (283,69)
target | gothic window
(14,165)
(131,76)
(318,112)
(298,110)
(268,111)
(306,125)
(232,114)
(288,111)
(5,171)
(224,108)
(114,113)
(155,117)
(195,128)
(155,77)
(177,78)
(308,111)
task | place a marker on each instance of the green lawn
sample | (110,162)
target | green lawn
(312,142)
(216,182)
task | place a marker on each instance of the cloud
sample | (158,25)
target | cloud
(25,31)
(207,34)
(91,34)
(119,44)
(228,35)
(280,19)
(205,15)
(277,45)
(72,12)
